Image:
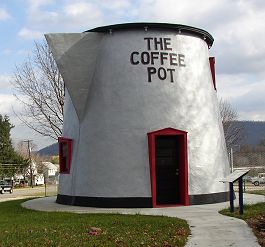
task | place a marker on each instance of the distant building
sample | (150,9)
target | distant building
(50,168)
(39,179)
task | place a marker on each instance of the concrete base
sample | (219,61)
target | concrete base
(135,202)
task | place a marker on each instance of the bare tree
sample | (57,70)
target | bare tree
(233,130)
(40,90)
(36,159)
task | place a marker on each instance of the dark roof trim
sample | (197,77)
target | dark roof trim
(146,25)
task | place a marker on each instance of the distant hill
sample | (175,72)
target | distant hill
(254,131)
(49,150)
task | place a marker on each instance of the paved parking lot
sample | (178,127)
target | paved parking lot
(250,187)
(20,193)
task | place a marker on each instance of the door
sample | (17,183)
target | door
(168,159)
(167,156)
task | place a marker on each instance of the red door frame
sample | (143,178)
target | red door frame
(183,169)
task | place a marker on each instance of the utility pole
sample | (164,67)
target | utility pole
(232,159)
(30,162)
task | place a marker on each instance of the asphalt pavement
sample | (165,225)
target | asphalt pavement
(28,192)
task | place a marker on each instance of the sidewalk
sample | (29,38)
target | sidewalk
(208,227)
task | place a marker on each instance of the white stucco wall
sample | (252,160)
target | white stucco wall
(111,107)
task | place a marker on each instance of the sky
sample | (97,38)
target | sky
(237,26)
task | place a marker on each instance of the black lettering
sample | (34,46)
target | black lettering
(150,71)
(132,58)
(145,57)
(154,55)
(158,42)
(163,56)
(167,43)
(171,74)
(148,43)
(181,60)
(162,75)
(173,58)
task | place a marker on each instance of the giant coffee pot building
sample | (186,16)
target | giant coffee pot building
(141,119)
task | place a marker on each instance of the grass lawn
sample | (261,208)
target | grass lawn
(23,227)
(254,215)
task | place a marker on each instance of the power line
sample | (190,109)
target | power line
(30,162)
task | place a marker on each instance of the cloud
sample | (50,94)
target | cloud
(68,16)
(4,15)
(116,4)
(237,27)
(240,43)
(8,105)
(20,52)
(207,14)
(78,9)
(39,16)
(5,81)
(21,133)
(230,86)
(255,97)
(35,4)
(77,16)
(23,52)
(7,51)
(245,93)
(26,33)
(80,15)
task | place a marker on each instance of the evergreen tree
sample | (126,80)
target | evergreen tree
(7,152)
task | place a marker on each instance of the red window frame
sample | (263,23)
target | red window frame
(184,197)
(65,165)
(212,67)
